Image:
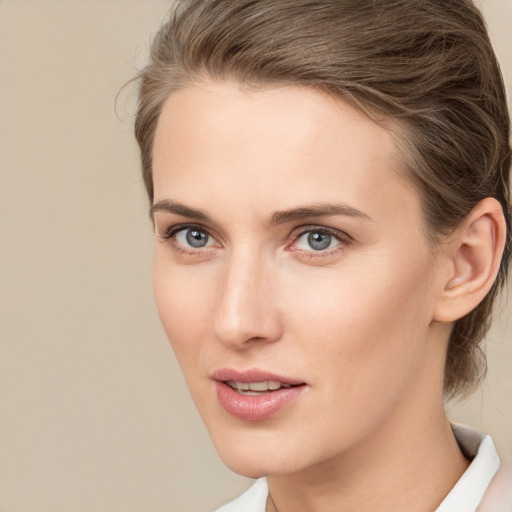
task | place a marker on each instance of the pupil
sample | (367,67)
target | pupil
(319,241)
(196,238)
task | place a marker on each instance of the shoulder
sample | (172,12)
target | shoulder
(252,500)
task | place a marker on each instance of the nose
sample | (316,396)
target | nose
(247,312)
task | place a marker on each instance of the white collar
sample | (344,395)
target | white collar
(464,497)
(470,489)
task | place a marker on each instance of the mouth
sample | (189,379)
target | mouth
(258,388)
(255,395)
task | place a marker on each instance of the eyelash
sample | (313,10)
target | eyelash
(344,240)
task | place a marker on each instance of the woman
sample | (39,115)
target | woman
(329,189)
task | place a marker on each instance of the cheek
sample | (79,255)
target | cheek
(365,321)
(362,341)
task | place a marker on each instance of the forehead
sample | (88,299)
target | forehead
(286,144)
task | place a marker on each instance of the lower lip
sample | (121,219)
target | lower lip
(256,407)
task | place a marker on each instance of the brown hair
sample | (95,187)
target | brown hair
(426,64)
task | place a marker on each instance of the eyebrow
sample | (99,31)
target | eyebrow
(316,210)
(169,206)
(277,218)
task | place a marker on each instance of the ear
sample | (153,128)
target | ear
(472,262)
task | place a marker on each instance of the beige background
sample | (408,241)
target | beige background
(94,413)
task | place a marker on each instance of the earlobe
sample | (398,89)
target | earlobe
(474,260)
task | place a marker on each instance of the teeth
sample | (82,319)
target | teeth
(268,385)
(258,386)
(239,386)
(273,384)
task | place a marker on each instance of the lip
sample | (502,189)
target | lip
(255,407)
(252,375)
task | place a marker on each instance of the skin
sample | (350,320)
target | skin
(357,322)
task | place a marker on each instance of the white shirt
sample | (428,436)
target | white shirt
(468,495)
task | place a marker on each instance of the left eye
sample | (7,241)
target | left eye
(317,241)
(194,238)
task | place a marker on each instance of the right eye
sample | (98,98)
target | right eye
(192,238)
(189,238)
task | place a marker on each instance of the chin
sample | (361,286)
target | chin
(253,466)
(259,453)
(247,468)
(245,456)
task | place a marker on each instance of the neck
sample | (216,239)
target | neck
(409,463)
(418,481)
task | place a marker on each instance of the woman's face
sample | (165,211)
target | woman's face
(292,273)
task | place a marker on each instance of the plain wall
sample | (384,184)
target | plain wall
(94,413)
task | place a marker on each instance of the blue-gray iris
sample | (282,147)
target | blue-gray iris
(196,238)
(319,241)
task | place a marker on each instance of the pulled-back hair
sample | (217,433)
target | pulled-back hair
(426,65)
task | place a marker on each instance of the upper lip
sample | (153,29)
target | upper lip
(251,375)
